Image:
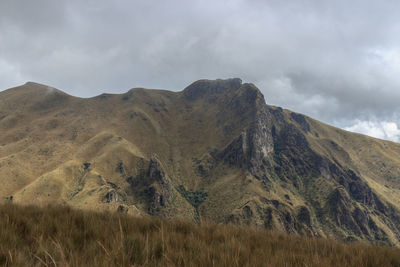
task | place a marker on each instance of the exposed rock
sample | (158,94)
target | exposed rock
(120,167)
(304,216)
(112,197)
(157,187)
(251,163)
(202,88)
(253,147)
(361,219)
(340,208)
(301,121)
(86,166)
(122,209)
(112,185)
(237,153)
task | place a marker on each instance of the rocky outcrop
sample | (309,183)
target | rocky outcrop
(273,214)
(222,153)
(301,121)
(203,88)
(273,149)
(112,197)
(160,191)
(154,186)
(255,144)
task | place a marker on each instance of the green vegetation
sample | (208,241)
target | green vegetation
(61,236)
(195,198)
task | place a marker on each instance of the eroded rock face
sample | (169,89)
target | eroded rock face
(339,208)
(255,144)
(204,88)
(226,156)
(301,120)
(261,143)
(304,216)
(238,152)
(155,186)
(275,215)
(112,197)
(273,150)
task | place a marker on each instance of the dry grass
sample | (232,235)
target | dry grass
(46,137)
(61,236)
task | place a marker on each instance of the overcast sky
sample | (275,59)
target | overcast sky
(337,61)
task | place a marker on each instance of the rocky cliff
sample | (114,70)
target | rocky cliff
(214,151)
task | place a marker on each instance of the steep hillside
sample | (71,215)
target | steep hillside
(214,151)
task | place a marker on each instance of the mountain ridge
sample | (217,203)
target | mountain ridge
(214,151)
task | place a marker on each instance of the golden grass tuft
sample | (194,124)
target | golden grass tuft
(61,236)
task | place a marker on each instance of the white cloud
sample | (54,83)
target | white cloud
(383,130)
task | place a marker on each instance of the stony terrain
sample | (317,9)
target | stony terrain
(212,152)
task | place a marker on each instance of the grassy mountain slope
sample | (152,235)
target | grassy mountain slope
(55,236)
(214,151)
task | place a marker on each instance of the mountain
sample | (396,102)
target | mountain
(212,152)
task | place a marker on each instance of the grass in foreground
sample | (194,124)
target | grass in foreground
(60,236)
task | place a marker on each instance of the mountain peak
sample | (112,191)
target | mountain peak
(42,87)
(201,88)
(32,90)
(214,151)
(30,83)
(34,95)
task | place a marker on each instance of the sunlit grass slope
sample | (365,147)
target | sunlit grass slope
(214,151)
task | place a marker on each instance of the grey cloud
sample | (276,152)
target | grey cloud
(337,61)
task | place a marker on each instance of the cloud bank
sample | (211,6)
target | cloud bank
(383,130)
